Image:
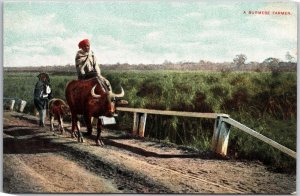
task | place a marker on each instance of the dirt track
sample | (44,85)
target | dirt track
(38,161)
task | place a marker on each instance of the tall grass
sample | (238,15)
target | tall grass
(265,102)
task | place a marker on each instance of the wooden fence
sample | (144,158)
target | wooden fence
(13,104)
(221,129)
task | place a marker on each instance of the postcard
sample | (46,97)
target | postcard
(150,97)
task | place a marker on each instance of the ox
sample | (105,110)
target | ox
(57,110)
(90,98)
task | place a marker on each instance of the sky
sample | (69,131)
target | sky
(40,33)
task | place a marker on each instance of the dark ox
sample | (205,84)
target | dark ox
(90,98)
(57,110)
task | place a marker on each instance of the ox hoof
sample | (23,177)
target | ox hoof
(99,143)
(73,135)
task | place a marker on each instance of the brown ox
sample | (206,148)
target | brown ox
(90,98)
(57,110)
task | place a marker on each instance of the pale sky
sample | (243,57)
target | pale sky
(38,33)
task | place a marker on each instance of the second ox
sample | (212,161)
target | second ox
(90,98)
(57,110)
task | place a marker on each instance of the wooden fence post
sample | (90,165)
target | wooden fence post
(136,122)
(11,104)
(220,136)
(143,118)
(139,124)
(22,105)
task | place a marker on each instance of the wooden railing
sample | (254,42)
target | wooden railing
(10,103)
(221,129)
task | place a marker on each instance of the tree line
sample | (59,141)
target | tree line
(238,64)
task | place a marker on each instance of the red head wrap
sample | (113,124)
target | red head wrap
(83,43)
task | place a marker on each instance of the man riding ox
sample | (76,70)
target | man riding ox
(91,95)
(86,64)
(90,99)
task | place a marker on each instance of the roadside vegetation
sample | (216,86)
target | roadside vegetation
(263,101)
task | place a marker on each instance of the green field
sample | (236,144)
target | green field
(265,102)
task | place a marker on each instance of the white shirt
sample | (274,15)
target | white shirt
(86,62)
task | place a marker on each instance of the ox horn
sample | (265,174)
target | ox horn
(117,95)
(93,92)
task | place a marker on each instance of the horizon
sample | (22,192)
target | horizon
(169,63)
(47,33)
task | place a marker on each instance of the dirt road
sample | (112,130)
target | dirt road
(37,161)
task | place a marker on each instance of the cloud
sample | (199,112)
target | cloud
(193,15)
(281,6)
(34,60)
(119,22)
(177,4)
(154,36)
(283,30)
(189,32)
(25,23)
(26,50)
(215,23)
(204,35)
(134,23)
(49,51)
(108,41)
